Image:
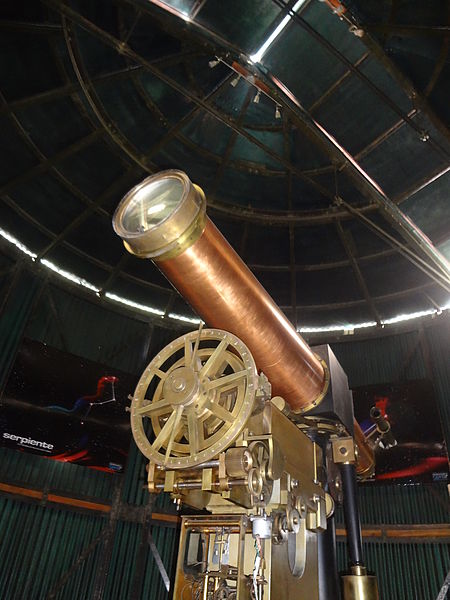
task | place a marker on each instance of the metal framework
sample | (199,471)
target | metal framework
(345,237)
(106,128)
(412,93)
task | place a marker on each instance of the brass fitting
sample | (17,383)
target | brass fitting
(357,585)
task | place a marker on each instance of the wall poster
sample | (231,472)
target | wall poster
(419,453)
(66,408)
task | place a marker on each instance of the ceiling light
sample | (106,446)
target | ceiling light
(15,242)
(409,316)
(277,111)
(213,63)
(192,320)
(346,329)
(275,33)
(257,97)
(68,275)
(132,304)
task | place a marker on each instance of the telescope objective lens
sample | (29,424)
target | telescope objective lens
(152,205)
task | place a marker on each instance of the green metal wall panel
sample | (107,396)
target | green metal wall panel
(39,545)
(91,331)
(402,504)
(166,541)
(16,304)
(405,571)
(438,339)
(383,360)
(120,583)
(123,561)
(378,360)
(33,471)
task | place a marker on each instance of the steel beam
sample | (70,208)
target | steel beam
(158,561)
(217,179)
(440,64)
(103,566)
(312,308)
(390,211)
(95,103)
(89,118)
(92,207)
(73,88)
(30,27)
(196,8)
(176,129)
(291,228)
(421,184)
(407,30)
(333,87)
(95,261)
(117,44)
(116,271)
(343,59)
(417,98)
(438,276)
(49,163)
(320,266)
(141,555)
(409,231)
(65,90)
(346,240)
(317,308)
(57,319)
(84,554)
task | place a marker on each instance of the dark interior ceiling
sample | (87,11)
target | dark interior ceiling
(95,95)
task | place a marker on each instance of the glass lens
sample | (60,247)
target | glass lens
(153,204)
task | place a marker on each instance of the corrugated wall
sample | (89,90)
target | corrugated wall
(385,360)
(38,545)
(121,583)
(407,571)
(18,290)
(390,359)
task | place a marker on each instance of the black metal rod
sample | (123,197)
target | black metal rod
(328,574)
(351,515)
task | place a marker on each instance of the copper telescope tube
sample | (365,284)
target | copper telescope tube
(222,290)
(196,258)
(365,463)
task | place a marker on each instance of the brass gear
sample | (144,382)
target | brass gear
(204,389)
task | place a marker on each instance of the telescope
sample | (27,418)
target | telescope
(243,421)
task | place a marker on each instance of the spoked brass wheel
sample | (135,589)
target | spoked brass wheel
(203,387)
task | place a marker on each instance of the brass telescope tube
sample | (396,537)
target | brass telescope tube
(209,274)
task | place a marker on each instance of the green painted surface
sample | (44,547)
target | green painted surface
(405,571)
(39,544)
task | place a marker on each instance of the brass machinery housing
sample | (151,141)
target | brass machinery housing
(230,412)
